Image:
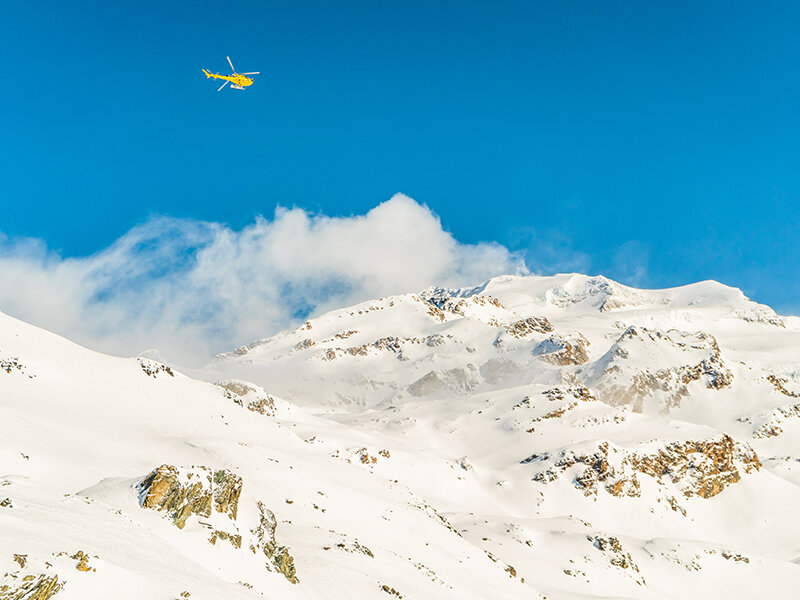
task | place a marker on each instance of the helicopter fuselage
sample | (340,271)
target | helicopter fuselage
(237,80)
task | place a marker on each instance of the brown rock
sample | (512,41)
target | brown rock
(264,534)
(162,490)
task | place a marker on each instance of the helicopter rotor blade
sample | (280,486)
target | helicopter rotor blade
(253,73)
(231,64)
(222,86)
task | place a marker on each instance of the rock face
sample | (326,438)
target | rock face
(647,364)
(153,368)
(563,351)
(617,555)
(205,492)
(190,492)
(264,541)
(249,396)
(32,587)
(603,294)
(395,466)
(694,468)
(525,327)
(445,300)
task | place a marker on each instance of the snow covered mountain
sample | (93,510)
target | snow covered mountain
(560,437)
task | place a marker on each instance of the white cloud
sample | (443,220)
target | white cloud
(192,289)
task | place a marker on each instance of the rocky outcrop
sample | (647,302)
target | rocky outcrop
(781,385)
(759,314)
(768,424)
(696,468)
(648,364)
(393,344)
(279,558)
(563,351)
(9,365)
(362,455)
(211,494)
(525,327)
(83,561)
(31,587)
(192,491)
(559,394)
(458,305)
(254,398)
(391,591)
(603,293)
(617,555)
(153,368)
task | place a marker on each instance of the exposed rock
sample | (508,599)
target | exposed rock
(464,463)
(435,340)
(83,561)
(254,398)
(769,423)
(759,314)
(442,300)
(355,546)
(40,587)
(618,556)
(780,384)
(707,466)
(560,351)
(579,392)
(264,540)
(227,489)
(235,540)
(182,494)
(727,555)
(202,491)
(153,368)
(305,344)
(345,334)
(392,344)
(645,363)
(559,394)
(525,327)
(698,468)
(10,364)
(603,293)
(365,458)
(391,591)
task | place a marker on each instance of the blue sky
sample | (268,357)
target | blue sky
(655,143)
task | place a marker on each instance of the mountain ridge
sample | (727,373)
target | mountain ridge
(563,437)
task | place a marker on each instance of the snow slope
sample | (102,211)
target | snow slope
(559,437)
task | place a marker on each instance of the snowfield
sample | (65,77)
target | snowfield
(560,437)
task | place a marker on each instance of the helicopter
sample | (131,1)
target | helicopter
(238,81)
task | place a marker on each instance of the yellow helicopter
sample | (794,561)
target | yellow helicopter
(238,81)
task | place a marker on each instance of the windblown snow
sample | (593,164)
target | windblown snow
(560,437)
